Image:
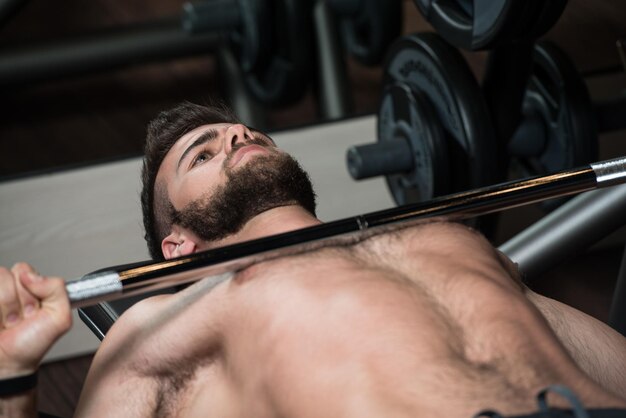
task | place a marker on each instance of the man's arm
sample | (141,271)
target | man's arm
(35,312)
(597,348)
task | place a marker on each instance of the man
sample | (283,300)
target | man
(423,321)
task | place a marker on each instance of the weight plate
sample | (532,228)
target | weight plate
(557,94)
(438,73)
(473,25)
(406,114)
(251,41)
(368,33)
(286,74)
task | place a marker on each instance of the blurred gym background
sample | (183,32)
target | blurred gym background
(69,117)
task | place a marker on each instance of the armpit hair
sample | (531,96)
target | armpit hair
(173,380)
(171,388)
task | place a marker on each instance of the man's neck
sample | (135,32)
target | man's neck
(271,222)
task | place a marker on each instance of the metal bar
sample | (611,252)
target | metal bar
(567,231)
(232,87)
(101,50)
(333,87)
(149,276)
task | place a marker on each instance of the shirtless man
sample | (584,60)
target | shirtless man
(423,321)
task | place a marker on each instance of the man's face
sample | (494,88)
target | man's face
(195,164)
(219,176)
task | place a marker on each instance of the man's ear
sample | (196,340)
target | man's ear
(178,243)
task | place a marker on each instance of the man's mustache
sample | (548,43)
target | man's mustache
(254,141)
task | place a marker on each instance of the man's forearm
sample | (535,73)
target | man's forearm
(23,405)
(35,312)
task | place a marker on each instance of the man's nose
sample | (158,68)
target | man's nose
(236,134)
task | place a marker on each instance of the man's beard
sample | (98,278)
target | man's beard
(265,182)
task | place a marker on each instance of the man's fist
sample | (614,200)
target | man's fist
(35,312)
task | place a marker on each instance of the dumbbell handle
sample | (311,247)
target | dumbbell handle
(99,51)
(380,158)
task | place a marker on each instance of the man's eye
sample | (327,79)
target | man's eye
(201,158)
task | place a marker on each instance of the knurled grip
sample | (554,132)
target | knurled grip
(93,286)
(610,172)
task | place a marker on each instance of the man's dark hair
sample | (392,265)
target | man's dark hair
(162,133)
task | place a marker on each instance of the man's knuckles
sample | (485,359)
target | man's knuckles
(57,302)
(22,267)
(9,301)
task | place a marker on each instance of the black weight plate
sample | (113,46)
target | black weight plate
(558,94)
(436,71)
(287,72)
(406,114)
(368,33)
(252,41)
(474,24)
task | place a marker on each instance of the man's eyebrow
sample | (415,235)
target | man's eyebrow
(207,136)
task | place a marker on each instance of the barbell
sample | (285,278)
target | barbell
(222,262)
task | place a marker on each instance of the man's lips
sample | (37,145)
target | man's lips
(243,151)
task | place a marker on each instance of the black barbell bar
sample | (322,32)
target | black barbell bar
(222,262)
(100,51)
(201,28)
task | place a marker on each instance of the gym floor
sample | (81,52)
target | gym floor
(79,121)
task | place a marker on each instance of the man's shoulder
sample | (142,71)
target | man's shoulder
(132,321)
(142,309)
